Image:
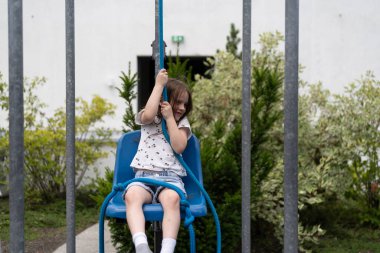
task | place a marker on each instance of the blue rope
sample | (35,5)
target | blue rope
(164,131)
(101,218)
(161,49)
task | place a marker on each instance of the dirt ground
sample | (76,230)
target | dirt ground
(54,237)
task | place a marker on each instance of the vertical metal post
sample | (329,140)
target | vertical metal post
(291,127)
(16,127)
(246,129)
(161,46)
(156,42)
(70,127)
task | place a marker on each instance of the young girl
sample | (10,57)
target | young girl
(155,159)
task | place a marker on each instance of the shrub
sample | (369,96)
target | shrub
(44,138)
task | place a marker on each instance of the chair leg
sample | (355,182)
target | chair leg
(157,236)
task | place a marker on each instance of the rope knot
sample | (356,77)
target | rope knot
(189,218)
(185,205)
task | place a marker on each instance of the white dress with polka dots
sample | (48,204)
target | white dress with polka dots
(154,152)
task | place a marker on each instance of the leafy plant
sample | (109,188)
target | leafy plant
(44,138)
(103,186)
(221,113)
(224,85)
(340,141)
(127,92)
(180,70)
(355,119)
(233,41)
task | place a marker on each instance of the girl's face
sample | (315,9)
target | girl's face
(179,105)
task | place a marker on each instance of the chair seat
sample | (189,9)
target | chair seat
(153,212)
(127,147)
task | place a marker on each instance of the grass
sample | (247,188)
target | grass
(362,240)
(45,225)
(346,231)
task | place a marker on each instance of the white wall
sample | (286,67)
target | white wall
(338,39)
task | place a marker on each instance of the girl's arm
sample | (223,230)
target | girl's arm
(151,106)
(178,136)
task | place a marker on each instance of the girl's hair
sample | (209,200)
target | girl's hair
(175,89)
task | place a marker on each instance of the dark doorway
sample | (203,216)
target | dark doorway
(146,76)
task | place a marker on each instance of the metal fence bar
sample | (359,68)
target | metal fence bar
(70,127)
(291,127)
(246,129)
(16,127)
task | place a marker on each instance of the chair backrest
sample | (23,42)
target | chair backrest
(126,150)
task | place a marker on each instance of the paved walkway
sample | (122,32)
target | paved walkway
(88,241)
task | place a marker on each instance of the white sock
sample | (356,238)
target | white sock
(139,238)
(168,245)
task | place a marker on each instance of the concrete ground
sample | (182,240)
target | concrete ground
(88,241)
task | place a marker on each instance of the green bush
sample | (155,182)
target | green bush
(102,187)
(127,92)
(339,144)
(44,141)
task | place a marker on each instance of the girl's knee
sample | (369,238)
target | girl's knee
(136,195)
(169,197)
(129,196)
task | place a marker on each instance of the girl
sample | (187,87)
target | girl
(155,159)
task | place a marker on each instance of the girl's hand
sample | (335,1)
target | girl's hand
(162,77)
(166,110)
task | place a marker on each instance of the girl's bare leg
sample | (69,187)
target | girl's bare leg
(135,198)
(170,202)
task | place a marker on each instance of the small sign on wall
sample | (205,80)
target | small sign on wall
(178,38)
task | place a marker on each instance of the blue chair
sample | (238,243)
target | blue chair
(126,149)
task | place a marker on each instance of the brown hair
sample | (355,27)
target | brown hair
(175,89)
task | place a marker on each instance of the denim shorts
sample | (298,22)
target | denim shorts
(165,176)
